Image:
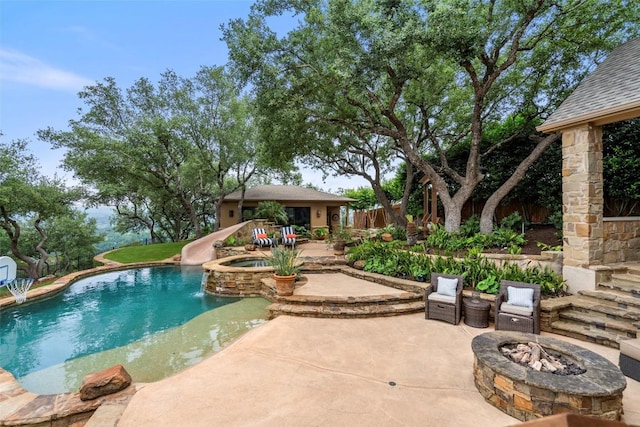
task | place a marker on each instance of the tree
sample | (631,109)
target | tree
(621,162)
(26,197)
(72,238)
(165,154)
(420,77)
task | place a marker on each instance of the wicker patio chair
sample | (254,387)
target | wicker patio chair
(442,305)
(512,314)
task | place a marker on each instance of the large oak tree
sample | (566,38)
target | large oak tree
(164,155)
(360,82)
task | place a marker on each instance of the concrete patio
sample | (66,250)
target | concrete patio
(389,371)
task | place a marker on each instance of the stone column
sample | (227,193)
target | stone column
(582,199)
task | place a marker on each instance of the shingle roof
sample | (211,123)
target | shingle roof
(287,193)
(611,93)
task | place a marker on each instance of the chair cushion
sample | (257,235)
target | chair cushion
(261,236)
(447,286)
(434,296)
(291,236)
(631,348)
(522,297)
(516,309)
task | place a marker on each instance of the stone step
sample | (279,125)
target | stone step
(586,333)
(600,321)
(612,298)
(624,282)
(348,301)
(358,311)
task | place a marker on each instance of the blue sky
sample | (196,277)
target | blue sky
(50,49)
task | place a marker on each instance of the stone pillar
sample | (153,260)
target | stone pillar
(582,199)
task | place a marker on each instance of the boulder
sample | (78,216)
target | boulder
(109,381)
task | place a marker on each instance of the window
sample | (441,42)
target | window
(299,216)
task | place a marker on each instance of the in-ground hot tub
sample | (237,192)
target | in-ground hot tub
(527,394)
(237,275)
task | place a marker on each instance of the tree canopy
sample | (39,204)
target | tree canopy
(29,203)
(358,86)
(164,155)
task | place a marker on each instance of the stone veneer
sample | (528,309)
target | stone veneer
(582,196)
(621,239)
(527,394)
(236,281)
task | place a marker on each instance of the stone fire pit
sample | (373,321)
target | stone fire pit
(527,394)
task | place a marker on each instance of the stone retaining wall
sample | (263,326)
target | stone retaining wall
(621,239)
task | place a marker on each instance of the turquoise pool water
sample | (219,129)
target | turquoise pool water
(154,321)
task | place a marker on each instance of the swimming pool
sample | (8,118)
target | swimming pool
(155,321)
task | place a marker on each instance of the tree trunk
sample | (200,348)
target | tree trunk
(489,209)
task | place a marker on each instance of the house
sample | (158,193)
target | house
(305,207)
(591,241)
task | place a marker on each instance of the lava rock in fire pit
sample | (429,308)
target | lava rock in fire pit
(534,356)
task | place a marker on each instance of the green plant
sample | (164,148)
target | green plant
(556,219)
(513,221)
(489,285)
(273,211)
(284,261)
(515,250)
(341,234)
(301,231)
(320,233)
(470,227)
(547,247)
(398,233)
(231,241)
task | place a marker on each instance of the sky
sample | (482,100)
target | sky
(51,49)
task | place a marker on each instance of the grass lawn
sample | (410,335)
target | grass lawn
(157,252)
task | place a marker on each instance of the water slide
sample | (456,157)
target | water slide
(202,250)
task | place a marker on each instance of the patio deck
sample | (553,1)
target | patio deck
(401,371)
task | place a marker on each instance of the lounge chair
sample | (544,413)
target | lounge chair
(289,236)
(518,307)
(443,299)
(260,238)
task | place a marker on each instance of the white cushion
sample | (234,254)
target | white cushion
(516,309)
(631,348)
(522,297)
(434,296)
(447,286)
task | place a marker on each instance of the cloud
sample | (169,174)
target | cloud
(20,68)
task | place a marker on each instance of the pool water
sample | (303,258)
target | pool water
(154,321)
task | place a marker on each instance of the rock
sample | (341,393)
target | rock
(109,381)
(359,264)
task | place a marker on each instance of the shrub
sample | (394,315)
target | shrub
(470,227)
(513,221)
(556,219)
(388,259)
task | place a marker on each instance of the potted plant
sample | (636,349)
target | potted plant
(339,240)
(320,233)
(286,266)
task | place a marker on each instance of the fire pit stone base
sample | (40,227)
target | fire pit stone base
(527,394)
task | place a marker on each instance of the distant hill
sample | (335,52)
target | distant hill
(113,239)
